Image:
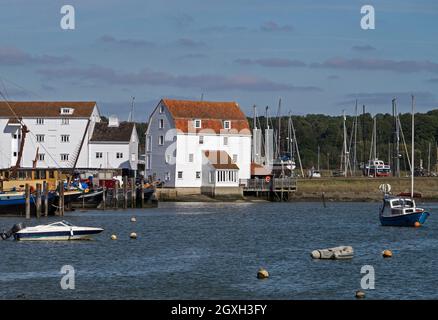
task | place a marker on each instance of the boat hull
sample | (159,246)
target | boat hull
(17,206)
(56,236)
(404,220)
(91,199)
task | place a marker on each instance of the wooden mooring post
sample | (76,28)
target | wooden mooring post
(125,192)
(38,200)
(116,194)
(27,195)
(61,199)
(104,198)
(46,198)
(142,192)
(133,193)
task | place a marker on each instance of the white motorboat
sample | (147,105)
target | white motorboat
(57,231)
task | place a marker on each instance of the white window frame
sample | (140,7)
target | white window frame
(99,155)
(40,137)
(119,155)
(148,143)
(227,124)
(198,175)
(201,139)
(178,175)
(160,123)
(195,124)
(41,156)
(64,156)
(161,140)
(161,109)
(225,141)
(191,157)
(39,121)
(148,162)
(167,176)
(65,121)
(235,158)
(65,138)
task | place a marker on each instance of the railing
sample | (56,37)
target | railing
(275,184)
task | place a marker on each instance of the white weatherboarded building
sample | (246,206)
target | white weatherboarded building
(63,134)
(198,145)
(114,145)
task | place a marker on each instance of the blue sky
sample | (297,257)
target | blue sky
(312,54)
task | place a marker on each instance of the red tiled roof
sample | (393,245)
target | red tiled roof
(211,114)
(30,109)
(220,159)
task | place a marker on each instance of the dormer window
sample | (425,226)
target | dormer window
(161,109)
(197,123)
(66,110)
(227,124)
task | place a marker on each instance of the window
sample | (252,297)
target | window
(161,123)
(161,109)
(190,157)
(67,110)
(161,140)
(167,176)
(180,174)
(227,124)
(99,155)
(41,156)
(225,141)
(211,177)
(14,136)
(198,174)
(119,155)
(197,124)
(64,156)
(15,153)
(149,143)
(40,138)
(201,139)
(65,138)
(65,121)
(39,121)
(148,162)
(234,158)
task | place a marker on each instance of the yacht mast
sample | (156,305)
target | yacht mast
(412,151)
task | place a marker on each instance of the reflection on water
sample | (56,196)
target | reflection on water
(213,250)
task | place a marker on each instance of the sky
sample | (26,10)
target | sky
(314,55)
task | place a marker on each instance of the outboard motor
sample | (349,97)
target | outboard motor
(15,228)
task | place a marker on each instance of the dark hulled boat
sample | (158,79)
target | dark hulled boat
(14,203)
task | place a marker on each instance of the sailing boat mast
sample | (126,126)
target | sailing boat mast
(345,146)
(412,151)
(278,151)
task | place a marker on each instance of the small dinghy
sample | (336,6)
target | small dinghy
(57,231)
(336,253)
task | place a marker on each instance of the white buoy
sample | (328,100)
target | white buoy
(113,237)
(133,219)
(133,235)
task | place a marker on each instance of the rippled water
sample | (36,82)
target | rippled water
(213,251)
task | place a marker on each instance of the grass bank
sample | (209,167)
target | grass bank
(362,189)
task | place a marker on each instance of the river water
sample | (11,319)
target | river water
(214,250)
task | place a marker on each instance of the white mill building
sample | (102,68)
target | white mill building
(199,146)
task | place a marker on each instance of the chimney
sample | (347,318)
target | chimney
(113,121)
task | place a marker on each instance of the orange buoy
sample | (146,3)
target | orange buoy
(387,254)
(417,224)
